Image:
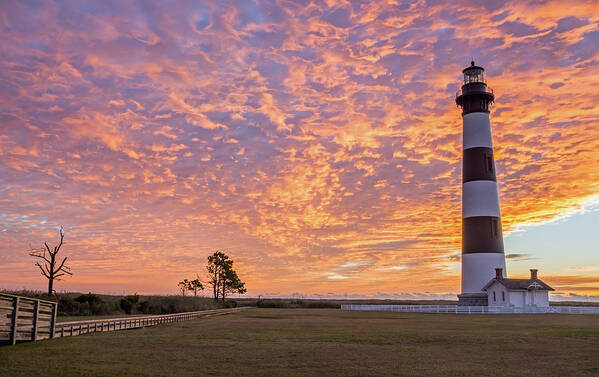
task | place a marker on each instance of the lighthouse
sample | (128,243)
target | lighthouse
(482,239)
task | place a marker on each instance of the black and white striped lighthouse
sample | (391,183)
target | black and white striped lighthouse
(482,240)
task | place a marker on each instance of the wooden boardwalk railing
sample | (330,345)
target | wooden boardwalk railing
(115,324)
(24,319)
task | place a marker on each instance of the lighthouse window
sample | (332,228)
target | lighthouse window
(503,295)
(494,297)
(473,75)
(495,227)
(490,162)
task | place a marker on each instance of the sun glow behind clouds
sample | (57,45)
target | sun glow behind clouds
(318,143)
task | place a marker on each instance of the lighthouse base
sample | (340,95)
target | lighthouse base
(473,299)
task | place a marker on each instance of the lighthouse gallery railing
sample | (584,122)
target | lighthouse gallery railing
(486,89)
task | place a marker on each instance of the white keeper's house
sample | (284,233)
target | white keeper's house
(517,293)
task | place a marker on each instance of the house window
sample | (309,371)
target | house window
(494,297)
(503,295)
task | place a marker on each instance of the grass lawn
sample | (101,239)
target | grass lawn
(327,342)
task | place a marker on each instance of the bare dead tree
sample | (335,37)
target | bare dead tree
(49,265)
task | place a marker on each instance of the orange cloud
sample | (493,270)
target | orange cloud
(320,145)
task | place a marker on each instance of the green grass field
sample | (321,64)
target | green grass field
(324,342)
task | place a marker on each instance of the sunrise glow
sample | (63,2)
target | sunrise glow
(318,143)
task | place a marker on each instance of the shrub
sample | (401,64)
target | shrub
(67,306)
(42,295)
(272,304)
(294,303)
(132,298)
(84,308)
(126,305)
(89,304)
(227,304)
(177,304)
(322,305)
(144,307)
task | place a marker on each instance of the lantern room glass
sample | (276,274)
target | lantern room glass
(473,75)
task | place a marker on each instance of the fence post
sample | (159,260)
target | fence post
(53,320)
(36,313)
(15,315)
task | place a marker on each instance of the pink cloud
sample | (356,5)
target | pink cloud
(117,121)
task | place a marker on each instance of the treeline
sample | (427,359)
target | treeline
(312,303)
(77,304)
(292,304)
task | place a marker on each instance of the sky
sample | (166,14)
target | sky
(317,142)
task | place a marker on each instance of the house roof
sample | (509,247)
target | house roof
(520,284)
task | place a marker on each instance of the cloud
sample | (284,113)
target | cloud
(573,279)
(310,142)
(515,256)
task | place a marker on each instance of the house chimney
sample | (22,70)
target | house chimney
(499,273)
(533,274)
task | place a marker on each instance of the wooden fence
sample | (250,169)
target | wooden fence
(24,319)
(455,309)
(115,324)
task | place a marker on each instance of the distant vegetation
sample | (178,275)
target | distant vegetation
(91,304)
(311,304)
(293,303)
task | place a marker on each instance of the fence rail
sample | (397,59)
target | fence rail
(115,324)
(24,319)
(473,309)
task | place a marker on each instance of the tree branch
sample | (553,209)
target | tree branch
(67,270)
(40,253)
(56,248)
(60,268)
(43,271)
